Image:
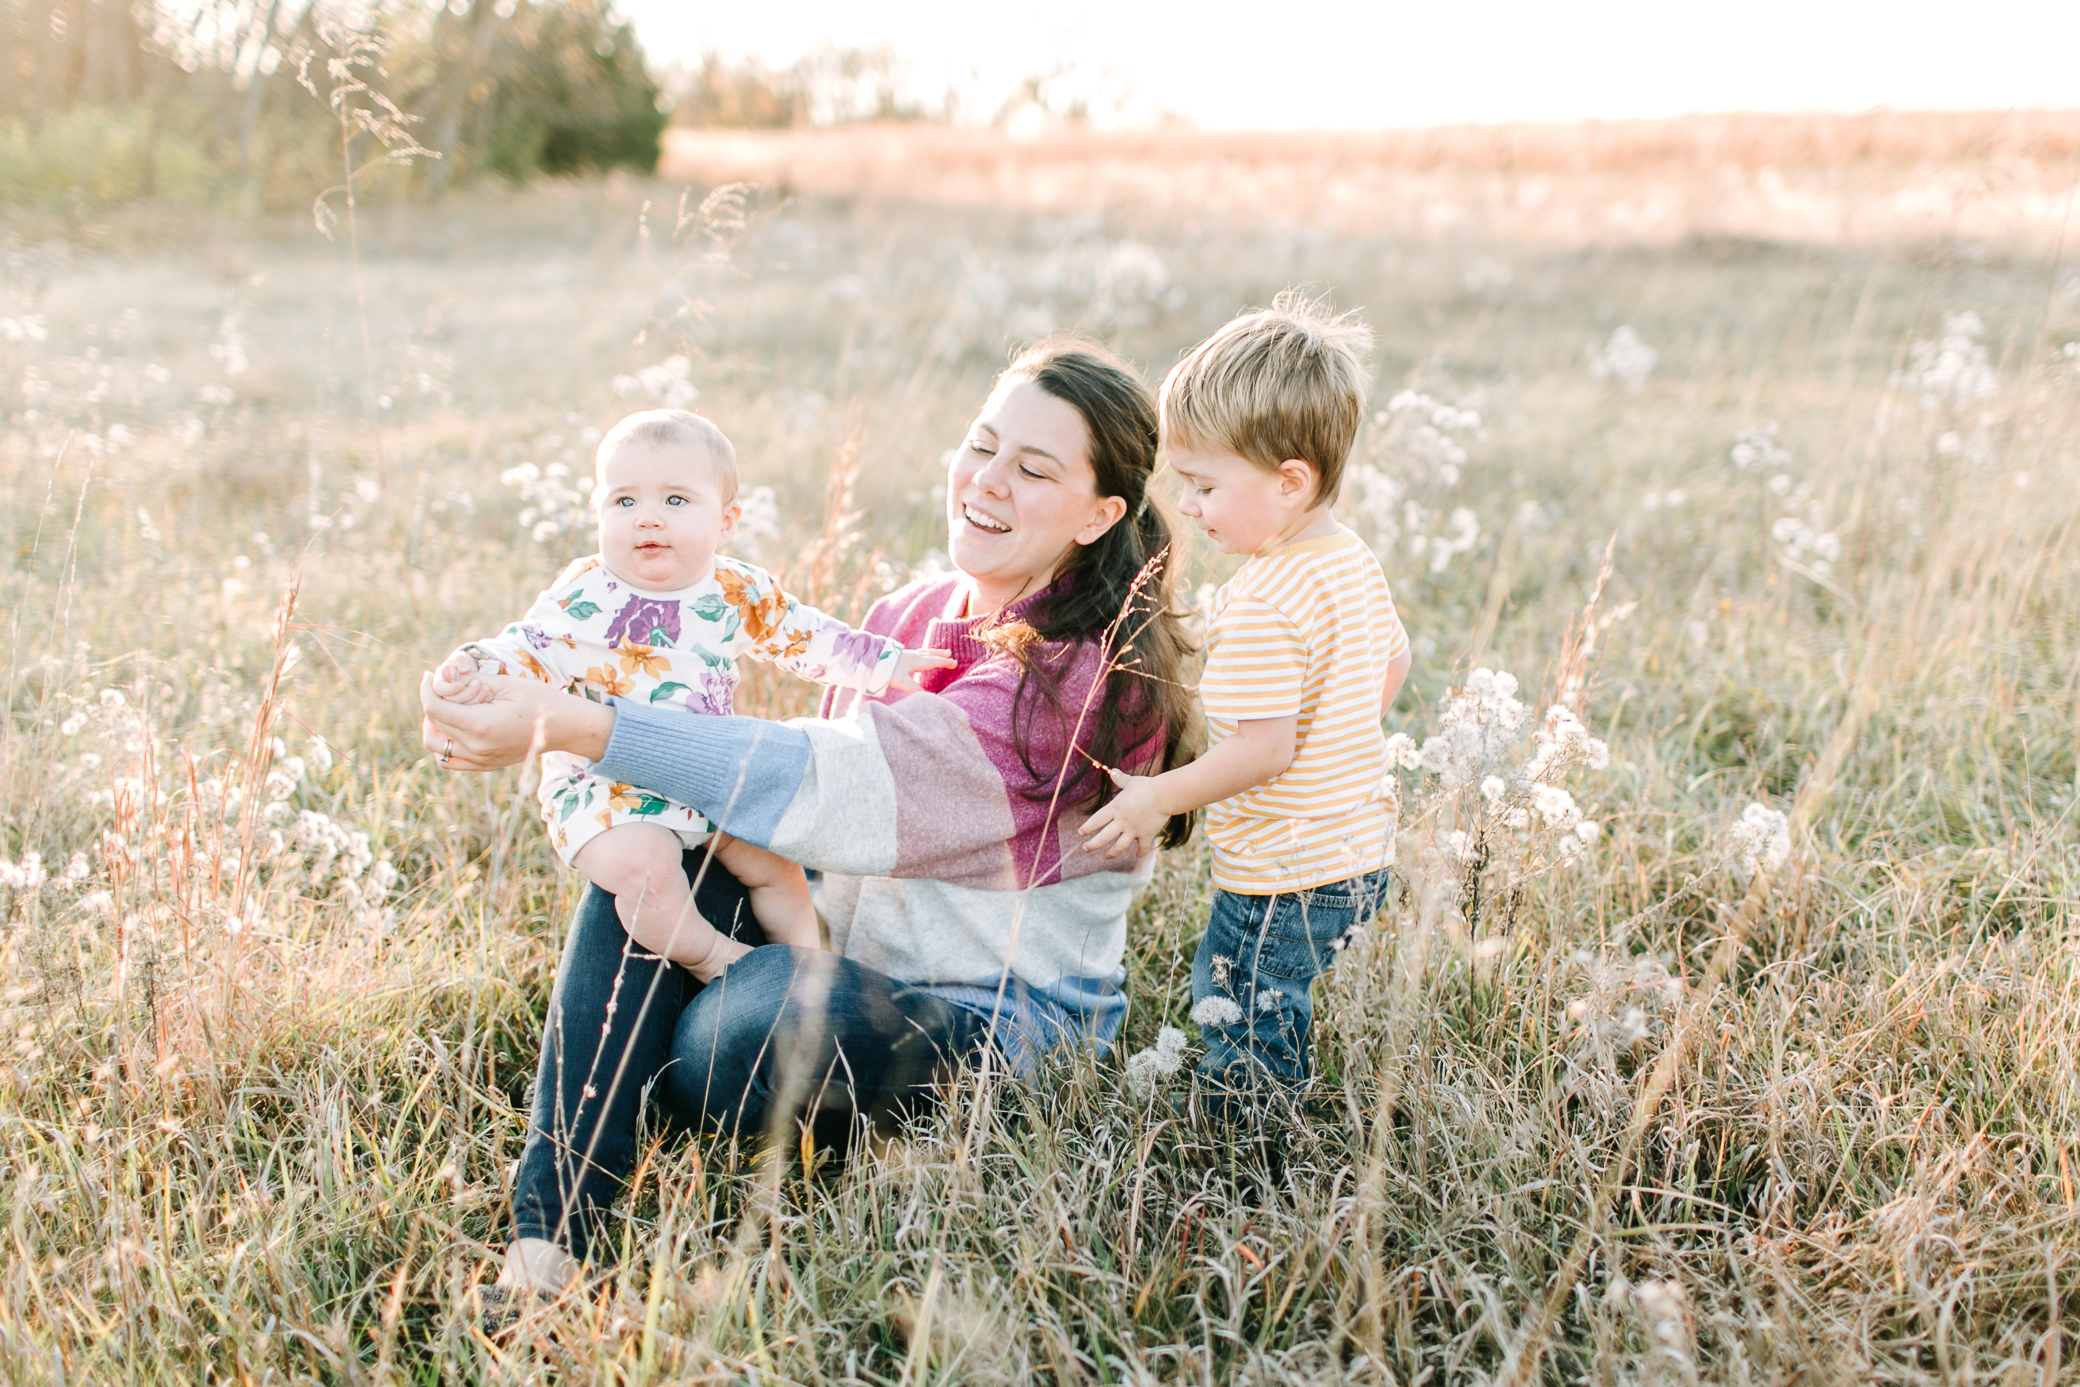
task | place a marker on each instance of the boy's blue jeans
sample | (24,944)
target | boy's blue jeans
(1261,955)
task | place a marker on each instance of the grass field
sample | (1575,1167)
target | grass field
(273,981)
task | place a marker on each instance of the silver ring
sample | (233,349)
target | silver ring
(447,751)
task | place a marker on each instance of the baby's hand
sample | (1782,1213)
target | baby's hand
(456,680)
(1133,818)
(911,661)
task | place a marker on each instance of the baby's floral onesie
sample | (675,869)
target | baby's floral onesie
(593,634)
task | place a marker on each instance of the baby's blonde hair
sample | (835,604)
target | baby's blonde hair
(1282,382)
(674,428)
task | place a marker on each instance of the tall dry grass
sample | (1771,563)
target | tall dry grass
(262,1099)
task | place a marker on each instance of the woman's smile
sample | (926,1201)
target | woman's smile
(986,523)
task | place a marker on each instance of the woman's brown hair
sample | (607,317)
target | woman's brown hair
(1119,588)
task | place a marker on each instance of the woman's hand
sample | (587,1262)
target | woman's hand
(522,718)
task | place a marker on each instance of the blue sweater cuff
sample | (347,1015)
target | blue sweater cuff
(740,772)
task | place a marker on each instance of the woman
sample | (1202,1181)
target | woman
(962,917)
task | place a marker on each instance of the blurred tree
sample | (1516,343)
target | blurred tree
(555,86)
(193,99)
(830,86)
(745,97)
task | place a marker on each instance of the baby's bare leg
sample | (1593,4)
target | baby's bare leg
(640,865)
(779,892)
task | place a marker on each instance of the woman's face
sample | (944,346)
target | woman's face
(1022,495)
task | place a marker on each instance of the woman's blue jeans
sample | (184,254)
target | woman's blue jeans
(784,1035)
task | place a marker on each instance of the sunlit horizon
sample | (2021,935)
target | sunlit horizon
(1318,65)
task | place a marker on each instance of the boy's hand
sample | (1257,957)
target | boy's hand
(456,680)
(1133,818)
(911,661)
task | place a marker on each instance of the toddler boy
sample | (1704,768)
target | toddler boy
(1304,654)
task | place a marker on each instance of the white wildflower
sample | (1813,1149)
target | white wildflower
(1755,449)
(1954,370)
(1492,789)
(331,844)
(1402,752)
(667,383)
(319,754)
(1465,534)
(554,503)
(1626,359)
(759,520)
(1554,804)
(1150,1067)
(282,779)
(1421,451)
(1216,1010)
(1478,731)
(1562,742)
(1374,500)
(1806,544)
(1761,838)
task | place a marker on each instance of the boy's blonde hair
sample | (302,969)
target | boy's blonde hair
(674,428)
(1283,382)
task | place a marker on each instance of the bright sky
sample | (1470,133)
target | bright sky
(1316,63)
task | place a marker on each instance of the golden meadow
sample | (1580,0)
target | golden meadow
(273,981)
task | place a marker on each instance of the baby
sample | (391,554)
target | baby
(658,615)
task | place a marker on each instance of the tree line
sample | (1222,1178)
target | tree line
(215,101)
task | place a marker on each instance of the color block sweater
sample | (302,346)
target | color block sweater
(946,864)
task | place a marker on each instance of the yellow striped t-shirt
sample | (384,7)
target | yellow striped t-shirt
(1308,629)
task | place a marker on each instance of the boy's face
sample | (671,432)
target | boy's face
(662,514)
(1240,506)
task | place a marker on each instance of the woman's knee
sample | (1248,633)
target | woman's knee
(739,1011)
